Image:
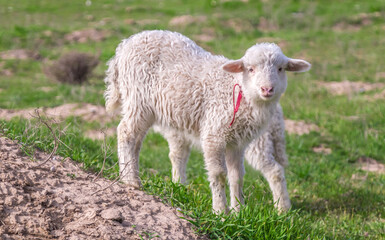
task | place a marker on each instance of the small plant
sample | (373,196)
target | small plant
(72,68)
(71,175)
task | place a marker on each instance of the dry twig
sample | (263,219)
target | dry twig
(41,120)
(113,182)
(105,154)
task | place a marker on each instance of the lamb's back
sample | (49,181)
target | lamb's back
(174,74)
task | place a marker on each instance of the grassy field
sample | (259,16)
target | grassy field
(344,40)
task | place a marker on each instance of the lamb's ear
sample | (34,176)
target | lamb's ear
(298,65)
(234,66)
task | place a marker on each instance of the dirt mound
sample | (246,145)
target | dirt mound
(356,23)
(86,111)
(239,25)
(348,88)
(300,127)
(5,72)
(85,35)
(45,89)
(371,165)
(377,96)
(266,25)
(99,134)
(186,20)
(322,149)
(207,35)
(59,200)
(19,54)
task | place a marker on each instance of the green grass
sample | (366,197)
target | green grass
(342,39)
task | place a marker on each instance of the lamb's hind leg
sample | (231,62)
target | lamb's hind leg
(131,132)
(179,154)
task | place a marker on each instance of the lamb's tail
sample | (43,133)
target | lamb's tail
(112,94)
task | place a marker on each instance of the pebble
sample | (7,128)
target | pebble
(112,214)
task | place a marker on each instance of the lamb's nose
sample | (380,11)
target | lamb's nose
(267,90)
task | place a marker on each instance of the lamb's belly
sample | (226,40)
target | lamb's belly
(180,109)
(170,132)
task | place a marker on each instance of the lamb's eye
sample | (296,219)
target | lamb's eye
(251,70)
(280,69)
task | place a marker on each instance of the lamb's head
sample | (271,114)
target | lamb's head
(263,67)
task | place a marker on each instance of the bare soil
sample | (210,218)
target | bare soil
(86,35)
(207,35)
(300,127)
(266,25)
(371,165)
(61,201)
(377,96)
(19,54)
(239,25)
(356,23)
(99,134)
(322,149)
(86,111)
(185,20)
(3,71)
(349,88)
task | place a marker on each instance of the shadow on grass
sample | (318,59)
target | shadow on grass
(359,201)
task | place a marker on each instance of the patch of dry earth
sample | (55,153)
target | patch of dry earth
(348,87)
(99,134)
(371,165)
(60,201)
(19,54)
(185,20)
(322,149)
(86,111)
(86,35)
(300,127)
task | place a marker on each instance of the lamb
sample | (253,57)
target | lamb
(164,78)
(266,154)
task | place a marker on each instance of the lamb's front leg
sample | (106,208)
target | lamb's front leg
(260,155)
(275,176)
(214,155)
(235,173)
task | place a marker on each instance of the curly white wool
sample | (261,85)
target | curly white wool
(164,78)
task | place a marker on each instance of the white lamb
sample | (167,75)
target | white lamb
(164,78)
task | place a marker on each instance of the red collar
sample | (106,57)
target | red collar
(236,106)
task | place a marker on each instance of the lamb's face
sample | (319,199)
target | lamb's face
(263,68)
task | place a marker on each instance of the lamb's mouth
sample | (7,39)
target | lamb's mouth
(267,96)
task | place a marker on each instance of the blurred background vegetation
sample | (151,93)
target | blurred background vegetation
(342,97)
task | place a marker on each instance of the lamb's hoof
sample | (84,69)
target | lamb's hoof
(235,209)
(284,207)
(134,184)
(220,211)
